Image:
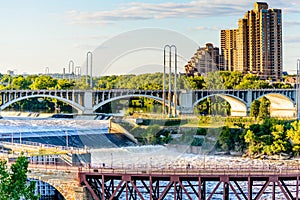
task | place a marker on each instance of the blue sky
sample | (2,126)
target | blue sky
(37,34)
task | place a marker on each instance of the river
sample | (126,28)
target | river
(111,150)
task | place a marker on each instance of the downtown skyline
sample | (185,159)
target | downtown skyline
(36,35)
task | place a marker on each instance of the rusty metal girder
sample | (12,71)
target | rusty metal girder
(180,187)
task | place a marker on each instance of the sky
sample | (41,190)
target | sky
(124,36)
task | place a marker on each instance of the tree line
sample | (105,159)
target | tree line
(154,81)
(210,106)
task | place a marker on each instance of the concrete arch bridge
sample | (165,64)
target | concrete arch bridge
(283,101)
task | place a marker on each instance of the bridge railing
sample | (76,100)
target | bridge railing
(241,170)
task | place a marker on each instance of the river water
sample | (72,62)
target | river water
(112,151)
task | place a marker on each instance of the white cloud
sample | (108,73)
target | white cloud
(144,11)
(99,37)
(192,9)
(291,23)
(84,46)
(291,39)
(204,28)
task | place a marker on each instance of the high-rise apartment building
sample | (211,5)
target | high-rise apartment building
(256,46)
(228,48)
(206,59)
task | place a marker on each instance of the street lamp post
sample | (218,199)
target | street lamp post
(175,84)
(170,47)
(89,55)
(170,83)
(71,65)
(77,72)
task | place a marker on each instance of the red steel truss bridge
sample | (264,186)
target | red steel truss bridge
(242,183)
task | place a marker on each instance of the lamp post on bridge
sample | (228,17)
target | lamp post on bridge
(169,48)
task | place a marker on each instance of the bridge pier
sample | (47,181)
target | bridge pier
(88,103)
(186,102)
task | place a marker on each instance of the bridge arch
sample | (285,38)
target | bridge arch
(281,105)
(75,105)
(160,100)
(63,189)
(238,106)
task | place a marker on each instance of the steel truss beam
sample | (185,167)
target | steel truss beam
(182,187)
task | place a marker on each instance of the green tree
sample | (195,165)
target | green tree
(81,84)
(195,83)
(252,81)
(231,79)
(63,84)
(264,108)
(13,182)
(251,138)
(214,80)
(282,85)
(107,82)
(254,109)
(280,141)
(5,82)
(293,134)
(21,83)
(226,140)
(43,83)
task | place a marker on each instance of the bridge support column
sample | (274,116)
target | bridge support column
(186,102)
(88,103)
(81,193)
(249,101)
